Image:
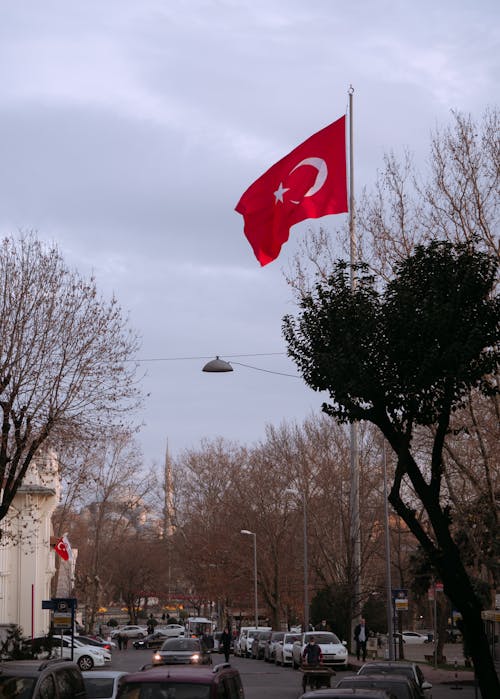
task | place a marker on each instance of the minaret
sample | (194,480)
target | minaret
(168,512)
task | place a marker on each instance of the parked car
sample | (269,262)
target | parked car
(334,651)
(86,657)
(259,643)
(283,652)
(220,682)
(414,637)
(102,684)
(96,641)
(154,640)
(131,631)
(399,667)
(243,647)
(341,693)
(270,647)
(32,679)
(399,686)
(182,651)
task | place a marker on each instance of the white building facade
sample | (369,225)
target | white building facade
(27,562)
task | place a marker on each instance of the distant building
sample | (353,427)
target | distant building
(27,562)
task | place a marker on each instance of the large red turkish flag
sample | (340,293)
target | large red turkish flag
(309,182)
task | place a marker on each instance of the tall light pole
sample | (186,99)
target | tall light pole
(354,499)
(246,531)
(306,558)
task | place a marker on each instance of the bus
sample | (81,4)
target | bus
(198,626)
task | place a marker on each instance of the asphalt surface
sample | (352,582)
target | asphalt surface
(267,681)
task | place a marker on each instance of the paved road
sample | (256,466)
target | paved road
(265,681)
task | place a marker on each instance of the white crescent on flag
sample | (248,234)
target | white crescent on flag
(322,169)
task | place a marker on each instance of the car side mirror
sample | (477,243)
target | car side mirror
(426,685)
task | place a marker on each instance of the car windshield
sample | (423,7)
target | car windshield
(21,687)
(98,687)
(400,690)
(323,638)
(181,644)
(164,690)
(291,638)
(373,669)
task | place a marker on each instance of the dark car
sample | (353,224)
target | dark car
(154,640)
(340,693)
(221,682)
(408,669)
(182,651)
(96,641)
(31,679)
(398,685)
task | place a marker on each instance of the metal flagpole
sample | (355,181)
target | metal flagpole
(354,499)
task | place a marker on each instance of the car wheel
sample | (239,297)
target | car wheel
(85,663)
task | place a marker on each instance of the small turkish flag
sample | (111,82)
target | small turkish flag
(309,182)
(63,548)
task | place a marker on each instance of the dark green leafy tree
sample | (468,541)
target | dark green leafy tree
(403,357)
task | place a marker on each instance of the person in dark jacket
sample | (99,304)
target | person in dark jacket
(225,643)
(361,633)
(312,655)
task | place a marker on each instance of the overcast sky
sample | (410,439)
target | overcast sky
(130,128)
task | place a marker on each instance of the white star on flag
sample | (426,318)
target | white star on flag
(278,194)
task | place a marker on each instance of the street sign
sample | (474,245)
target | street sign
(62,621)
(400,597)
(63,610)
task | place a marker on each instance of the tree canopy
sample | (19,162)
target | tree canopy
(403,356)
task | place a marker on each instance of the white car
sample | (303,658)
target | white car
(243,645)
(333,650)
(103,683)
(283,651)
(171,630)
(131,631)
(415,637)
(86,657)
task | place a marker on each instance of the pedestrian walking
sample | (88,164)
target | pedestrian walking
(120,641)
(361,634)
(225,643)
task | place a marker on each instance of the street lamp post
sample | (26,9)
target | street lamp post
(246,531)
(306,558)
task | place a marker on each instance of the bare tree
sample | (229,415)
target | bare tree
(65,356)
(115,509)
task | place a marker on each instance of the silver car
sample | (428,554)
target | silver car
(102,684)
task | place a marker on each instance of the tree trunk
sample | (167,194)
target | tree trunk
(445,557)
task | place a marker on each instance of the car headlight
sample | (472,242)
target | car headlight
(156,656)
(195,658)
